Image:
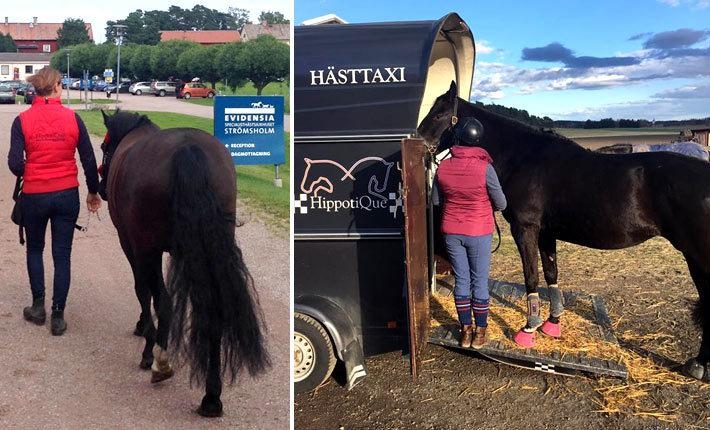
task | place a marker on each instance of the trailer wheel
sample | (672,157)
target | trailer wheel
(313,357)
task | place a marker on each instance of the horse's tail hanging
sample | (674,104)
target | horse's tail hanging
(210,285)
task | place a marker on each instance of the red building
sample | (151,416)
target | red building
(36,36)
(203,37)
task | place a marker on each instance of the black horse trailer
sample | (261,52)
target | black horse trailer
(363,221)
(360,89)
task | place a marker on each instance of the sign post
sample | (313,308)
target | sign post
(252,129)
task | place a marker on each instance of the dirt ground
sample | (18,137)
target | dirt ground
(648,292)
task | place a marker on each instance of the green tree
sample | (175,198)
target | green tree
(140,62)
(241,17)
(163,59)
(273,18)
(7,44)
(198,62)
(72,32)
(263,60)
(141,28)
(127,52)
(226,65)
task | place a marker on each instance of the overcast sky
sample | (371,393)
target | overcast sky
(571,59)
(99,12)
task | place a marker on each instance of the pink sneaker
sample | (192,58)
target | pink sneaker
(524,339)
(551,329)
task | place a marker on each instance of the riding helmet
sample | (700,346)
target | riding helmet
(468,131)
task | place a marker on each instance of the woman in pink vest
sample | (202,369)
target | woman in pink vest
(471,191)
(43,142)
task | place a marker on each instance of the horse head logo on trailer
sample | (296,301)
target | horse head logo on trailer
(321,179)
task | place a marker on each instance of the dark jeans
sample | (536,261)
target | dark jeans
(470,258)
(61,208)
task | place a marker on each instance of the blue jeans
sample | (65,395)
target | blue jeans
(470,258)
(61,208)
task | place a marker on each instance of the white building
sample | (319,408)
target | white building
(19,66)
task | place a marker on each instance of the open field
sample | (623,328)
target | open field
(594,139)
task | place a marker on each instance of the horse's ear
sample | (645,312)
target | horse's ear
(105,116)
(453,91)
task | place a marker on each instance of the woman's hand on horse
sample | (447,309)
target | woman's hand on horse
(93,202)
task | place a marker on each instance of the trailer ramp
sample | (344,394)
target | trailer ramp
(504,293)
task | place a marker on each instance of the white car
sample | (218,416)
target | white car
(139,88)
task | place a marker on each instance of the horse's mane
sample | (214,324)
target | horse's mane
(121,123)
(518,126)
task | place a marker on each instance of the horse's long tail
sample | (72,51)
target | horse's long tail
(210,286)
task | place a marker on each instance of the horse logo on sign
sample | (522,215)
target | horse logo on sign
(321,177)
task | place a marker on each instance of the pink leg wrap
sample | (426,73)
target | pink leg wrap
(524,339)
(551,329)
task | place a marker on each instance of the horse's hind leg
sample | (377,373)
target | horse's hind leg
(211,405)
(526,238)
(548,254)
(161,365)
(699,367)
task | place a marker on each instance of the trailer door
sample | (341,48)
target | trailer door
(415,227)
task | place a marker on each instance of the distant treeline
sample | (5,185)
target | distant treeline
(547,122)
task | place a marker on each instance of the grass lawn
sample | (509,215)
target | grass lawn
(273,89)
(255,183)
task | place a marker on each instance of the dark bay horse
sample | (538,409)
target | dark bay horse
(174,191)
(557,190)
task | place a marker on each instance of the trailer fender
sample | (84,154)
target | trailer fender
(341,330)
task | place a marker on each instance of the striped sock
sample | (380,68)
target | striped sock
(463,309)
(480,312)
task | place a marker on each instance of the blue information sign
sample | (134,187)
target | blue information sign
(251,128)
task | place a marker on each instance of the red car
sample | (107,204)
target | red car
(196,89)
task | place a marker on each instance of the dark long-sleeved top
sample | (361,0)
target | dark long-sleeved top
(16,157)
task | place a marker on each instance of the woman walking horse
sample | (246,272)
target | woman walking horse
(175,191)
(558,190)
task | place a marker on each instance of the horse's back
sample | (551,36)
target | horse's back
(144,184)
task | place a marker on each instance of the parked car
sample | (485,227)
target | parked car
(7,94)
(20,90)
(196,89)
(87,84)
(68,81)
(111,88)
(139,88)
(30,94)
(100,85)
(13,84)
(161,88)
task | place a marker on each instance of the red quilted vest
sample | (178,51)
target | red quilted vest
(462,183)
(51,136)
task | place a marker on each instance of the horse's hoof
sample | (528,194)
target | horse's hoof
(146,363)
(158,376)
(695,369)
(210,407)
(524,339)
(140,329)
(551,329)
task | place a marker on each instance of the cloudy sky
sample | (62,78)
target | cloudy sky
(98,12)
(571,59)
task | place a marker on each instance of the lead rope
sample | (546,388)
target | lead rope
(85,227)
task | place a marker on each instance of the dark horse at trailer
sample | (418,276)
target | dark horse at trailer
(557,190)
(174,191)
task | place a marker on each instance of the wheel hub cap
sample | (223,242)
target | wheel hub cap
(303,357)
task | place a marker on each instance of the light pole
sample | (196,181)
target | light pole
(68,50)
(119,40)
